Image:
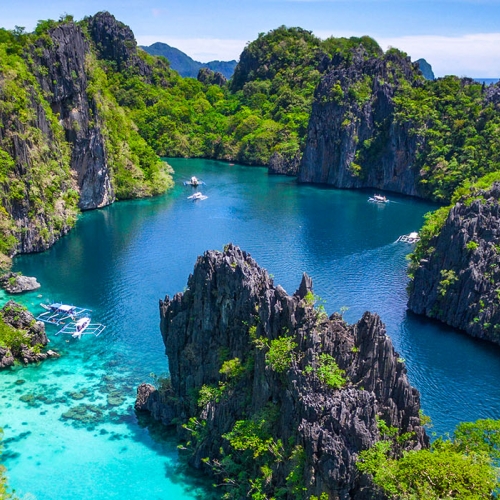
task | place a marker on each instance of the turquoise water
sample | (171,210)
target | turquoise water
(120,260)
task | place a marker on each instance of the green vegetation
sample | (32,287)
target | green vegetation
(13,339)
(472,245)
(252,457)
(138,172)
(328,371)
(210,394)
(457,130)
(232,369)
(263,110)
(44,167)
(35,158)
(463,467)
(280,352)
(448,277)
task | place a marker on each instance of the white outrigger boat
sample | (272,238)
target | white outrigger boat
(83,326)
(409,238)
(197,196)
(377,198)
(194,181)
(57,313)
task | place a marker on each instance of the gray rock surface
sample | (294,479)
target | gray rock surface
(17,283)
(458,281)
(229,303)
(65,83)
(209,77)
(115,42)
(281,165)
(353,139)
(27,351)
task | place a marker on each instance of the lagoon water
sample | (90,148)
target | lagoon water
(120,260)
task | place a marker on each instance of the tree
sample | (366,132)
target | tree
(461,468)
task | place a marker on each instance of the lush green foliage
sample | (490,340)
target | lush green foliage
(210,394)
(280,352)
(39,180)
(328,371)
(253,455)
(138,172)
(458,131)
(11,338)
(232,368)
(35,175)
(461,468)
(264,111)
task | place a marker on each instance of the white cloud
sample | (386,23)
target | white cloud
(200,49)
(475,55)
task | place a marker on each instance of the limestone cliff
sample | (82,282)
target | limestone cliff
(250,366)
(426,69)
(60,66)
(65,142)
(353,139)
(458,279)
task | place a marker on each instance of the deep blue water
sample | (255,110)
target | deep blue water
(120,260)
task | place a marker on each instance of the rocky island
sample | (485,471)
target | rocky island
(22,338)
(258,373)
(456,272)
(17,283)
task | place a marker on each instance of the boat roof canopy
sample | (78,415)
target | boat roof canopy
(65,308)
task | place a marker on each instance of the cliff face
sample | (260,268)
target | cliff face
(65,142)
(457,282)
(245,355)
(60,66)
(353,139)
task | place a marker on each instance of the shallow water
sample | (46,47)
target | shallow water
(120,260)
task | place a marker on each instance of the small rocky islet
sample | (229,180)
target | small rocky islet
(26,336)
(242,352)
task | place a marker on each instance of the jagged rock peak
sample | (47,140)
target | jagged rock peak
(115,42)
(209,77)
(232,315)
(457,281)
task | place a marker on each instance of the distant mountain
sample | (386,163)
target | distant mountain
(426,69)
(185,65)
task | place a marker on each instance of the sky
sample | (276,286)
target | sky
(456,37)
